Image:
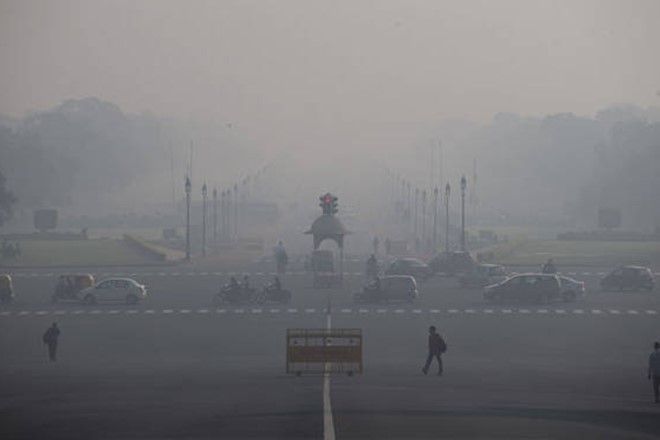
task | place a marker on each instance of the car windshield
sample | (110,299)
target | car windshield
(337,219)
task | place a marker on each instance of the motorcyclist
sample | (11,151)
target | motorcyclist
(233,284)
(549,267)
(376,284)
(246,283)
(372,266)
(275,285)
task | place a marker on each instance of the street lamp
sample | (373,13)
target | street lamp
(215,216)
(236,210)
(463,186)
(447,192)
(204,220)
(188,186)
(435,219)
(423,218)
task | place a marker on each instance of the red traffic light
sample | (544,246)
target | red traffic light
(328,200)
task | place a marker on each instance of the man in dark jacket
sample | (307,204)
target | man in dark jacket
(437,347)
(50,339)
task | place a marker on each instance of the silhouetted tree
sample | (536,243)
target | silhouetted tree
(7,199)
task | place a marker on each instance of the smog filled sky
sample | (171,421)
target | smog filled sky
(364,73)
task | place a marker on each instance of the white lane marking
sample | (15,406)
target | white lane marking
(571,273)
(434,311)
(470,311)
(149,312)
(176,274)
(131,312)
(190,274)
(523,311)
(220,311)
(586,273)
(452,311)
(202,310)
(310,310)
(5,313)
(274,310)
(256,311)
(161,274)
(203,274)
(542,311)
(148,274)
(95,312)
(633,312)
(399,311)
(578,311)
(184,311)
(603,273)
(168,311)
(381,311)
(113,312)
(259,274)
(417,311)
(488,311)
(239,311)
(24,313)
(596,312)
(42,312)
(614,312)
(347,310)
(219,274)
(363,311)
(59,312)
(78,312)
(651,312)
(292,310)
(560,311)
(506,311)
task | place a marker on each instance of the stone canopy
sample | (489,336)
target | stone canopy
(328,227)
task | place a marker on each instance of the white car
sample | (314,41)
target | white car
(124,290)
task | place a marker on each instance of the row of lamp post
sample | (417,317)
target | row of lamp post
(411,208)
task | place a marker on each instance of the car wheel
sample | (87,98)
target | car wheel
(89,300)
(131,300)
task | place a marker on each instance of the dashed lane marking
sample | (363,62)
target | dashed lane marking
(651,312)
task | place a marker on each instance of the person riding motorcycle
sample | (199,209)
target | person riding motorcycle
(276,285)
(549,267)
(245,285)
(372,268)
(233,284)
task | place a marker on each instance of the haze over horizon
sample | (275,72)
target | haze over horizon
(296,73)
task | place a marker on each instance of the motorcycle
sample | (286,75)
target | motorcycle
(273,294)
(282,262)
(235,294)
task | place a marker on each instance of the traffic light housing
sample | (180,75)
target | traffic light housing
(328,204)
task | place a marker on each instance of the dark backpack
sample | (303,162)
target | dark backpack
(442,345)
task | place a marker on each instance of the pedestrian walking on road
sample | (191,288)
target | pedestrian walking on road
(50,339)
(437,346)
(654,371)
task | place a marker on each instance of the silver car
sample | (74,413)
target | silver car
(115,290)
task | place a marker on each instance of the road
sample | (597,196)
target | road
(176,366)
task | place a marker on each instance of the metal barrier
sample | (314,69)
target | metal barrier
(318,351)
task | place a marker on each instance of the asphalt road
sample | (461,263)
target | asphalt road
(176,366)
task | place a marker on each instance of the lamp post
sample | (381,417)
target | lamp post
(463,186)
(447,192)
(236,211)
(215,216)
(204,220)
(415,211)
(187,188)
(435,219)
(423,218)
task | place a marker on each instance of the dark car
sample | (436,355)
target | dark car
(629,278)
(483,275)
(395,287)
(452,263)
(409,266)
(530,287)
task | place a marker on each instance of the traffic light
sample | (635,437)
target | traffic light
(328,204)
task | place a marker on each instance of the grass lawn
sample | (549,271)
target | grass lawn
(588,253)
(41,253)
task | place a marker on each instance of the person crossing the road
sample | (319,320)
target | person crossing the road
(437,346)
(50,338)
(654,371)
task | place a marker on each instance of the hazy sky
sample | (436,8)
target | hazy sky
(358,72)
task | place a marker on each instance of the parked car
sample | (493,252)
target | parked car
(530,287)
(452,263)
(629,278)
(124,290)
(69,286)
(387,288)
(483,275)
(6,289)
(570,288)
(409,266)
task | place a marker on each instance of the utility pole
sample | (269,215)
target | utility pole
(423,218)
(236,211)
(463,186)
(187,187)
(215,216)
(204,220)
(447,193)
(435,219)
